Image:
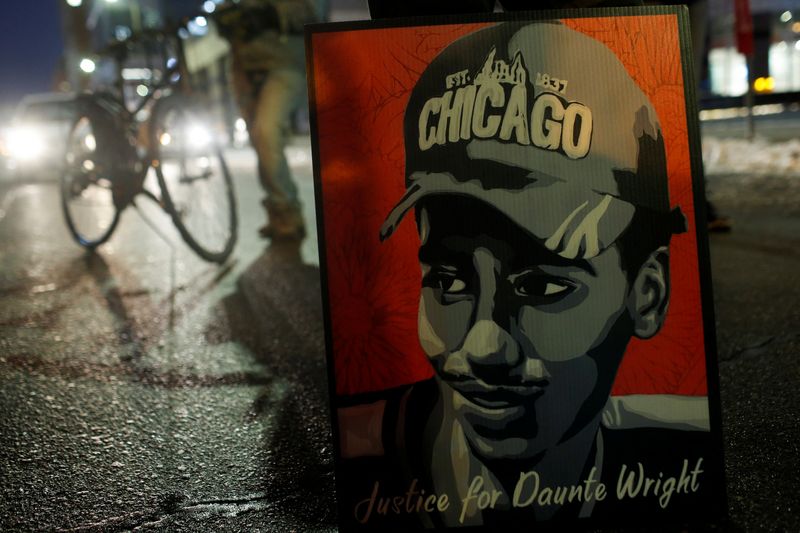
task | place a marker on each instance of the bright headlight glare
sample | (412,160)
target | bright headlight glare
(198,136)
(25,143)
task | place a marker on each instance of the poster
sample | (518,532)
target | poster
(518,314)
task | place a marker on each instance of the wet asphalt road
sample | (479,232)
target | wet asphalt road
(756,271)
(136,390)
(140,391)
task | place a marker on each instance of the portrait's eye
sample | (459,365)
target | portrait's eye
(448,281)
(551,289)
(452,285)
(539,285)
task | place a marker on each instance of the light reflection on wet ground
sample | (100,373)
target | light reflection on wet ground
(134,386)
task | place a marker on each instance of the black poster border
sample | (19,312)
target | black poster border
(716,464)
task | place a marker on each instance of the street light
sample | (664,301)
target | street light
(74,3)
(87,65)
(198,26)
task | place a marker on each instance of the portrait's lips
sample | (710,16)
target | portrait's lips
(498,397)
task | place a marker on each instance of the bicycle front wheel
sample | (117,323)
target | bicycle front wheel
(195,183)
(87,198)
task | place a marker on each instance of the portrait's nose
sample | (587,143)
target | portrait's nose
(488,347)
(487,344)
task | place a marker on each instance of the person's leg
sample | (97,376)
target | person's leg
(279,96)
(245,95)
(698,22)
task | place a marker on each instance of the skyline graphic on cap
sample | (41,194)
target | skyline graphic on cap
(546,125)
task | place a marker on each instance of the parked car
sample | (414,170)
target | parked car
(33,144)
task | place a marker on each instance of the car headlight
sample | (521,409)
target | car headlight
(198,136)
(192,136)
(24,143)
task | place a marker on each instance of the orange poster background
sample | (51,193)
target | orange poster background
(362,79)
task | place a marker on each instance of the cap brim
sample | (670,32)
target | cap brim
(571,221)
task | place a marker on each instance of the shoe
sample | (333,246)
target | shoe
(284,234)
(285,223)
(720,225)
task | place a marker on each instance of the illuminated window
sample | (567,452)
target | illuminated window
(784,66)
(728,72)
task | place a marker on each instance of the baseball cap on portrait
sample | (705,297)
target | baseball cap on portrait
(544,124)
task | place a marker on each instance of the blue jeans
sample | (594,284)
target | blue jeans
(279,97)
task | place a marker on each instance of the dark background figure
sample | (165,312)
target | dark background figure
(269,82)
(698,23)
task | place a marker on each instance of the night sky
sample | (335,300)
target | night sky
(30,47)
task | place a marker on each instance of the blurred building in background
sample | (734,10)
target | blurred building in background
(776,60)
(90,26)
(126,46)
(95,30)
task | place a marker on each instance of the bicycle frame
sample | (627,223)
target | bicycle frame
(128,167)
(116,149)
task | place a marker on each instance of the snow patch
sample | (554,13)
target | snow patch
(759,157)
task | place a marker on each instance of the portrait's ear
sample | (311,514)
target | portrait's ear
(648,298)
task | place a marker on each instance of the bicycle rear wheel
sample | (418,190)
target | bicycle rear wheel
(87,198)
(195,184)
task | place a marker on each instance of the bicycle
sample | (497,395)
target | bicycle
(110,151)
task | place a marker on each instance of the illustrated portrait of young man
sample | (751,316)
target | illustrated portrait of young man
(536,175)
